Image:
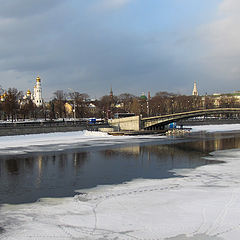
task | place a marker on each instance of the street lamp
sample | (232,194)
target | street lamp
(172,104)
(148,110)
(74,111)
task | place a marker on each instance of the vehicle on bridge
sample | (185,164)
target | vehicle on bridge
(172,125)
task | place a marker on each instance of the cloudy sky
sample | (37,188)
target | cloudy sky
(134,46)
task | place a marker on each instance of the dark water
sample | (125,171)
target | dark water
(26,178)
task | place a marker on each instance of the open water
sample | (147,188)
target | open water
(26,178)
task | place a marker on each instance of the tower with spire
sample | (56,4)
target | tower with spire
(111,93)
(195,91)
(37,94)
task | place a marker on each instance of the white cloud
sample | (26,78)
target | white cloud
(111,4)
(229,6)
(224,32)
(222,49)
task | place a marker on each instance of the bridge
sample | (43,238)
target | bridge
(137,123)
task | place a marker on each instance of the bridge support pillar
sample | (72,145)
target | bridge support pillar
(128,123)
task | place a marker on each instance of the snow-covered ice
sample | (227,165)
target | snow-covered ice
(200,204)
(63,140)
(216,128)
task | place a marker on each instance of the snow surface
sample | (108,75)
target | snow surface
(63,140)
(216,128)
(201,204)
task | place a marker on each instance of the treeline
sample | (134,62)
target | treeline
(13,105)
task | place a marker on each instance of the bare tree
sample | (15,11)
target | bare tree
(59,102)
(126,99)
(79,102)
(27,109)
(208,102)
(11,103)
(107,106)
(136,107)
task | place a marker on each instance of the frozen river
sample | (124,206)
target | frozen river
(92,186)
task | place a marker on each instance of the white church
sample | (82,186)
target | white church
(36,97)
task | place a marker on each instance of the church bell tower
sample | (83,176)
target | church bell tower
(37,96)
(195,91)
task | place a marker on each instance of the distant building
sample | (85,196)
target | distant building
(92,108)
(3,97)
(68,108)
(36,97)
(226,98)
(119,105)
(195,91)
(143,96)
(37,94)
(149,96)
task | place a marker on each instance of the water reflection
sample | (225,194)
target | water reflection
(39,177)
(79,159)
(212,142)
(28,178)
(12,166)
(163,157)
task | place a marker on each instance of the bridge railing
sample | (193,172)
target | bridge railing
(200,112)
(166,119)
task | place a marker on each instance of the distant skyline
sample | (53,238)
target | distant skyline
(132,45)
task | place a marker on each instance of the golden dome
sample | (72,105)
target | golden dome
(38,79)
(28,92)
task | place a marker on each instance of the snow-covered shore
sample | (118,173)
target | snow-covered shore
(201,204)
(216,128)
(63,140)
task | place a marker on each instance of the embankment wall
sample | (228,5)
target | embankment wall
(126,124)
(41,128)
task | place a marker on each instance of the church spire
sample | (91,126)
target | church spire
(111,92)
(195,91)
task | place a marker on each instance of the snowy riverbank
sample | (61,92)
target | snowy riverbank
(62,140)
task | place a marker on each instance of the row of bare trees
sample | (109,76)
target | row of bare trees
(78,101)
(164,103)
(13,106)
